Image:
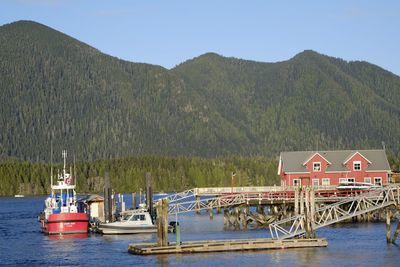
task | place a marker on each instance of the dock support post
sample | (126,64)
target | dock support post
(149,194)
(296,201)
(197,204)
(134,204)
(107,198)
(312,212)
(245,216)
(237,214)
(388,213)
(165,224)
(301,192)
(162,223)
(218,210)
(307,212)
(211,213)
(226,218)
(396,233)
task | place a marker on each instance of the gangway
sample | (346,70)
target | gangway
(206,204)
(336,212)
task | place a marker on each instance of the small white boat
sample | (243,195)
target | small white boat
(356,186)
(19,196)
(132,222)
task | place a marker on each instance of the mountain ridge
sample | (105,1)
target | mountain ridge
(208,106)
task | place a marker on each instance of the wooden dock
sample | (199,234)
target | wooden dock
(224,246)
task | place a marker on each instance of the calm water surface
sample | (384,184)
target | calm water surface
(22,244)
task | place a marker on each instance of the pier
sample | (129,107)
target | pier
(203,246)
(302,211)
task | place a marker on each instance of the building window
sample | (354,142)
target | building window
(315,182)
(357,165)
(296,182)
(317,166)
(378,181)
(326,181)
(346,180)
(367,180)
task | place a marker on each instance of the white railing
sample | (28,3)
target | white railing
(336,212)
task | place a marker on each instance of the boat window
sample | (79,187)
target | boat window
(126,217)
(138,217)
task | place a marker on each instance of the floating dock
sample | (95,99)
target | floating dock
(224,246)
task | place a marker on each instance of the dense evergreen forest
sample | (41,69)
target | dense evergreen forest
(200,121)
(53,87)
(127,174)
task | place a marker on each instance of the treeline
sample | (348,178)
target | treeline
(127,174)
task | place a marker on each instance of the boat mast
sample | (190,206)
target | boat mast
(74,171)
(64,154)
(51,167)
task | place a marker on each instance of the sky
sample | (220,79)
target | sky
(168,33)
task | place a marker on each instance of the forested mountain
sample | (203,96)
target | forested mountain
(53,87)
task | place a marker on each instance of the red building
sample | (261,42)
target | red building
(326,168)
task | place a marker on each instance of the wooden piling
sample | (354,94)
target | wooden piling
(226,218)
(211,213)
(197,204)
(312,212)
(307,213)
(159,223)
(134,204)
(388,214)
(162,223)
(301,192)
(296,201)
(165,223)
(396,233)
(149,194)
(237,215)
(107,198)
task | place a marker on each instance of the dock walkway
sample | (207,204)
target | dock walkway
(203,246)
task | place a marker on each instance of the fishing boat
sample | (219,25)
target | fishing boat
(136,221)
(61,215)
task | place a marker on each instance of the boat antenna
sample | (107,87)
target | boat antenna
(74,171)
(51,163)
(64,154)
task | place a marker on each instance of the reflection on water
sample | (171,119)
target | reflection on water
(69,236)
(22,243)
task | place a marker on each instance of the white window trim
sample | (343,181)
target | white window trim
(378,178)
(354,165)
(315,184)
(317,162)
(326,179)
(298,181)
(366,178)
(347,180)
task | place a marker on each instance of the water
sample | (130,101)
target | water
(22,244)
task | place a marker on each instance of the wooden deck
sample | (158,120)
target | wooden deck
(203,246)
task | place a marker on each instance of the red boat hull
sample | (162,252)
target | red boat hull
(66,223)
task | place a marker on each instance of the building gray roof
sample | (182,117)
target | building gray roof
(294,161)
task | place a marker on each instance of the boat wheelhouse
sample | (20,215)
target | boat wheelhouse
(61,215)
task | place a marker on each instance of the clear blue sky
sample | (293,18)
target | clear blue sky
(169,32)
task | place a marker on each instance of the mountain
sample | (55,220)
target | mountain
(54,87)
